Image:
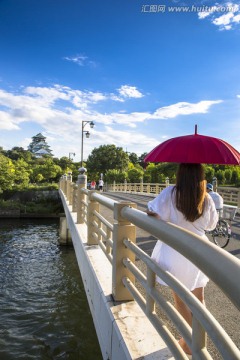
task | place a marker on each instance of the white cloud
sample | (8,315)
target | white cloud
(222,15)
(236,18)
(137,141)
(42,106)
(205,13)
(224,20)
(183,108)
(127,91)
(78,59)
(48,94)
(7,122)
(58,112)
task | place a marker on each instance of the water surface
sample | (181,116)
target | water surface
(44,313)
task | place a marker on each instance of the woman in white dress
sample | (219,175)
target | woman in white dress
(187,205)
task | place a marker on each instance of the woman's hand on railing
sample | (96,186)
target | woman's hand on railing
(152,213)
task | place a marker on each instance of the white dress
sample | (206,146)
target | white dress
(168,258)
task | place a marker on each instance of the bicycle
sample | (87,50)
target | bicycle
(222,233)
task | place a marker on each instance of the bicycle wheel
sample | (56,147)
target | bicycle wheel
(221,235)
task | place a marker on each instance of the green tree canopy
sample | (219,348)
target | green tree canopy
(6,173)
(18,153)
(21,173)
(141,160)
(107,157)
(133,158)
(135,175)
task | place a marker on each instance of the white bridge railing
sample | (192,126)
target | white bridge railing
(230,195)
(117,239)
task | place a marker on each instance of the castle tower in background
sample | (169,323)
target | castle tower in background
(39,147)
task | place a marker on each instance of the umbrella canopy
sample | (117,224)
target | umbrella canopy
(197,149)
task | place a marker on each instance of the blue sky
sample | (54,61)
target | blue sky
(142,70)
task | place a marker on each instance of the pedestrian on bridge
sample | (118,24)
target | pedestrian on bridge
(187,205)
(217,198)
(100,185)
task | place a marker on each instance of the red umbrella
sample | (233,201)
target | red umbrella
(194,149)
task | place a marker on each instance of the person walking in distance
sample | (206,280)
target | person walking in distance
(100,184)
(93,185)
(187,205)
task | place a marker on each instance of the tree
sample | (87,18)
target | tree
(64,162)
(236,176)
(133,158)
(228,176)
(107,157)
(209,173)
(141,160)
(115,175)
(220,174)
(19,153)
(135,175)
(6,173)
(21,174)
(48,170)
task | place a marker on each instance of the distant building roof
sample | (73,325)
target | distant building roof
(38,146)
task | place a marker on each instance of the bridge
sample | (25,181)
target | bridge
(133,317)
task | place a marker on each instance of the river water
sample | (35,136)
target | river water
(44,312)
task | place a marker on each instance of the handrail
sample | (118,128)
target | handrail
(201,253)
(230,195)
(109,203)
(217,334)
(217,264)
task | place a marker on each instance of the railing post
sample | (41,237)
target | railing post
(61,183)
(74,198)
(148,188)
(114,185)
(82,183)
(123,229)
(199,336)
(92,205)
(141,185)
(69,181)
(151,280)
(71,199)
(125,185)
(167,181)
(64,188)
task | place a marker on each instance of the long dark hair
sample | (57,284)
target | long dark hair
(190,190)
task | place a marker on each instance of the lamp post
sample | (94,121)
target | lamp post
(214,182)
(84,123)
(71,153)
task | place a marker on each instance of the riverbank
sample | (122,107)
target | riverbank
(16,214)
(32,204)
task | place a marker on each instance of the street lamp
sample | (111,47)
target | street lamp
(214,182)
(71,153)
(87,133)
